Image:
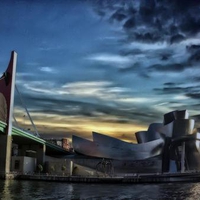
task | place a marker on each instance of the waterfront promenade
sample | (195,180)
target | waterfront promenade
(136,178)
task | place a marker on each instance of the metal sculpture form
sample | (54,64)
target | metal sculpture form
(104,146)
(174,141)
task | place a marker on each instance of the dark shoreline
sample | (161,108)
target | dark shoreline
(139,178)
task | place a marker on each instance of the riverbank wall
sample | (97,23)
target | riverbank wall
(139,178)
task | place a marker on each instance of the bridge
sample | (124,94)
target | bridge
(29,147)
(22,137)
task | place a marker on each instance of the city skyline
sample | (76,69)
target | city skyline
(107,66)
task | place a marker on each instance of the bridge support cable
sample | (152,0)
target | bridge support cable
(16,123)
(24,105)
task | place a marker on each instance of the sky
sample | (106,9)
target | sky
(110,66)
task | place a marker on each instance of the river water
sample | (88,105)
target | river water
(28,190)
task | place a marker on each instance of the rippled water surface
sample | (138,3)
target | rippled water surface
(51,190)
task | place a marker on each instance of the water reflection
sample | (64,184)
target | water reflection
(5,191)
(176,191)
(27,190)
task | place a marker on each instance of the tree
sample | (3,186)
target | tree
(40,168)
(106,167)
(52,168)
(63,169)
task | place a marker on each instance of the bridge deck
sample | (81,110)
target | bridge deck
(23,136)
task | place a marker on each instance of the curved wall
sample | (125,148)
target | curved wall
(112,148)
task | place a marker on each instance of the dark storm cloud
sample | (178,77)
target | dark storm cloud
(194,53)
(190,25)
(118,15)
(147,37)
(90,110)
(176,38)
(172,88)
(155,22)
(165,56)
(70,107)
(154,60)
(130,23)
(169,90)
(163,20)
(126,52)
(195,57)
(148,116)
(183,5)
(196,78)
(169,84)
(175,67)
(193,95)
(193,48)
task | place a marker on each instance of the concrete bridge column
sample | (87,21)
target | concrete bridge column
(5,155)
(40,149)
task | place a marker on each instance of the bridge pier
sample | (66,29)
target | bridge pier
(5,155)
(41,149)
(34,150)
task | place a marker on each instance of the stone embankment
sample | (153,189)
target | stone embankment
(138,178)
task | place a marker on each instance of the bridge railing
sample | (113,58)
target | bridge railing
(2,126)
(22,133)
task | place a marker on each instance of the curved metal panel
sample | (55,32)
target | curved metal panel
(176,114)
(112,148)
(153,131)
(182,127)
(151,134)
(178,128)
(167,129)
(141,136)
